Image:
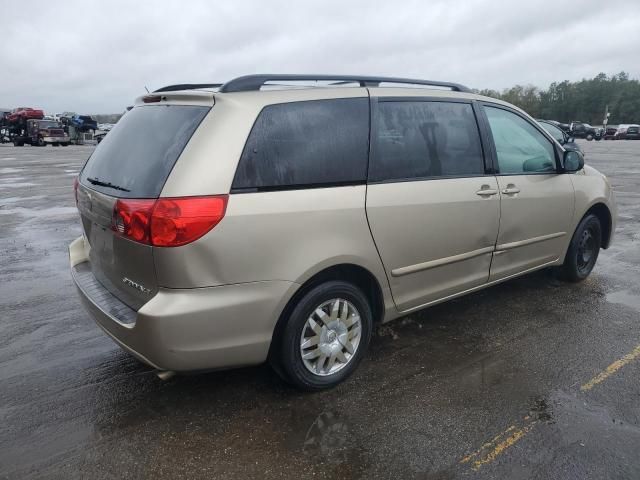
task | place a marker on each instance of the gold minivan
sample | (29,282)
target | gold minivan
(281,217)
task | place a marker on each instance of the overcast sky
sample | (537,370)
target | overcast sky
(96,57)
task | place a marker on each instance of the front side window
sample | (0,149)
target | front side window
(421,139)
(520,147)
(303,144)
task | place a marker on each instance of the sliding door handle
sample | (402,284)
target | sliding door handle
(487,192)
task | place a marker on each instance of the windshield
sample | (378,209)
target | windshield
(135,159)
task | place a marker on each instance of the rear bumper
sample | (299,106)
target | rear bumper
(187,329)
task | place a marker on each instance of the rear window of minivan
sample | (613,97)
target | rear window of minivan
(316,143)
(137,155)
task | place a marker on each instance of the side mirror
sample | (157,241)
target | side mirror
(573,161)
(570,139)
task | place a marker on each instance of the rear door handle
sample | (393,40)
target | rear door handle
(486,192)
(511,190)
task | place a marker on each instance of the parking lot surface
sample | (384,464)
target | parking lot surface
(534,378)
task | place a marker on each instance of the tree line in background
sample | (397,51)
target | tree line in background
(583,101)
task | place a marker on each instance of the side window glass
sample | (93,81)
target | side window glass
(554,131)
(415,139)
(520,147)
(312,143)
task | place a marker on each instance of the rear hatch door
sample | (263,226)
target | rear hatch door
(132,162)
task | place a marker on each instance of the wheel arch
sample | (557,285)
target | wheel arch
(603,213)
(350,272)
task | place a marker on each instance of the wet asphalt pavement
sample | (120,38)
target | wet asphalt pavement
(494,385)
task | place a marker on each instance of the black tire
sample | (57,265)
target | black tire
(291,362)
(41,142)
(583,250)
(64,144)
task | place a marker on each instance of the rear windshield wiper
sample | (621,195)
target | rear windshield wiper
(100,183)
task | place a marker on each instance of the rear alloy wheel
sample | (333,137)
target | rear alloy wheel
(583,249)
(326,336)
(330,337)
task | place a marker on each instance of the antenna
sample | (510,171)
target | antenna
(145,87)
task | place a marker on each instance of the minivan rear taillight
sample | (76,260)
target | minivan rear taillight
(167,222)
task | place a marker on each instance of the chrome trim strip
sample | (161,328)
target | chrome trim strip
(475,289)
(398,272)
(529,241)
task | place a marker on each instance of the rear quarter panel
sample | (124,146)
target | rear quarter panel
(287,235)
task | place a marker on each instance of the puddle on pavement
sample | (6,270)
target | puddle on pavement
(626,298)
(328,439)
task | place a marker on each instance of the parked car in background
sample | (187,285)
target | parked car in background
(610,133)
(584,130)
(560,125)
(299,239)
(633,132)
(621,132)
(98,137)
(563,138)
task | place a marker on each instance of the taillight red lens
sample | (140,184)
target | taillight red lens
(168,222)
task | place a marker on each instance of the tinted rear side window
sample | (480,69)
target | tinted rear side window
(314,143)
(138,154)
(425,140)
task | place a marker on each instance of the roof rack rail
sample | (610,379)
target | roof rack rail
(254,82)
(187,86)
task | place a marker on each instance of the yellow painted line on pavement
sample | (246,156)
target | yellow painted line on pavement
(611,369)
(492,449)
(488,452)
